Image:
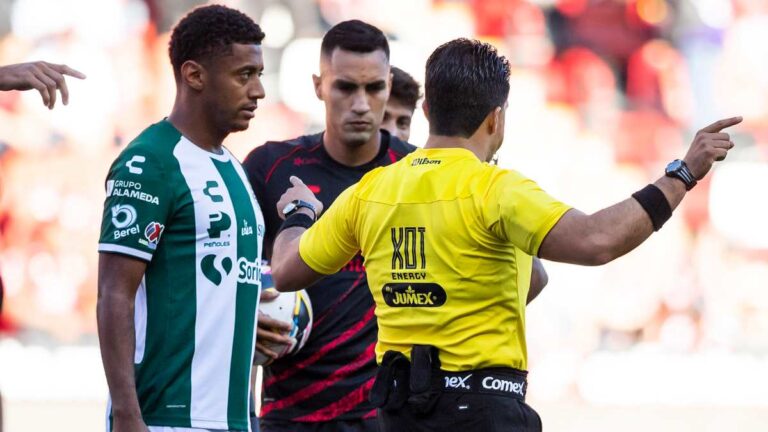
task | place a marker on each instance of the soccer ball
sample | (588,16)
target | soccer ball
(292,307)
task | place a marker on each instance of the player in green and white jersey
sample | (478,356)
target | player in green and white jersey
(180,247)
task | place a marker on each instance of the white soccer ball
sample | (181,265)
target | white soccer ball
(292,307)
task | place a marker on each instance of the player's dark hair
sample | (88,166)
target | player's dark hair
(355,36)
(466,80)
(405,89)
(209,31)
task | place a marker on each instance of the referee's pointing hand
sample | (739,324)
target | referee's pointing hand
(298,191)
(709,146)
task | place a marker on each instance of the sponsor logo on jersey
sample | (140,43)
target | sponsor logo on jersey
(217,223)
(135,194)
(215,269)
(132,164)
(456,382)
(246,229)
(248,272)
(123,215)
(425,161)
(118,234)
(491,383)
(129,189)
(305,161)
(152,234)
(216,244)
(414,295)
(126,184)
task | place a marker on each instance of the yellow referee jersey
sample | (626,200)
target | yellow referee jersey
(447,241)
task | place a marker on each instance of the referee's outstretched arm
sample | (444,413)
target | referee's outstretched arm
(577,238)
(599,238)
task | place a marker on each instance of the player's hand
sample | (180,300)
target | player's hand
(298,191)
(709,146)
(128,424)
(42,76)
(269,329)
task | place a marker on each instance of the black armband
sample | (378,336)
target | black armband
(653,201)
(297,220)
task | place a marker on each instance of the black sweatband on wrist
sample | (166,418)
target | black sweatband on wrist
(653,201)
(297,220)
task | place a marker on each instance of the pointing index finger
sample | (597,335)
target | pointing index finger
(722,124)
(296,181)
(66,70)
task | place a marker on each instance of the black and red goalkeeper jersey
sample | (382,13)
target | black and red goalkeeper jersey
(329,379)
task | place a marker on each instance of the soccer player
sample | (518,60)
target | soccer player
(325,386)
(180,247)
(401,104)
(444,235)
(42,76)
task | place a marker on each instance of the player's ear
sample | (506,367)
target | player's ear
(317,81)
(425,109)
(193,74)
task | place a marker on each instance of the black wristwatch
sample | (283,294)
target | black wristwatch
(679,170)
(294,206)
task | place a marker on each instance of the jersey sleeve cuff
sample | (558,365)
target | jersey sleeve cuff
(125,250)
(541,234)
(305,251)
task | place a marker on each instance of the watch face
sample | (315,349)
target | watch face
(674,165)
(289,208)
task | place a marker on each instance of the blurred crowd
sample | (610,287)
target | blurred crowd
(604,94)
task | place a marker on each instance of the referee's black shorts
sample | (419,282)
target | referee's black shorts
(464,413)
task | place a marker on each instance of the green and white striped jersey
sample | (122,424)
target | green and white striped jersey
(193,217)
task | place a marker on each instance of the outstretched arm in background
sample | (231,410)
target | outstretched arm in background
(42,76)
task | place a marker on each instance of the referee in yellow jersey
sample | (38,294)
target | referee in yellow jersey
(448,239)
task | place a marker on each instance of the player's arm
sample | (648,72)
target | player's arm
(599,238)
(119,279)
(131,232)
(42,76)
(539,280)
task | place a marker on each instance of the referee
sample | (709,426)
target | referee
(447,240)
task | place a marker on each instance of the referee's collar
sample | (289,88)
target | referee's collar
(453,152)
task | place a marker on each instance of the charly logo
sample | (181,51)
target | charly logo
(209,191)
(414,295)
(132,164)
(215,269)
